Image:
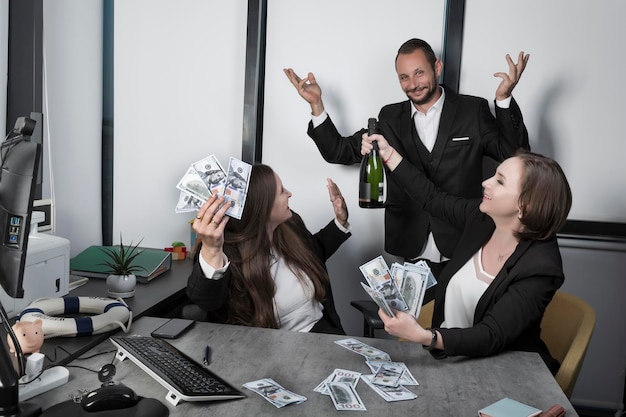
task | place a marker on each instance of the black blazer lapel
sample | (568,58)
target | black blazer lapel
(403,130)
(448,114)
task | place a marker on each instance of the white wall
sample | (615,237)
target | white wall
(179,79)
(73,116)
(191,77)
(570,101)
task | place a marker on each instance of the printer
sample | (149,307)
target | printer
(47,268)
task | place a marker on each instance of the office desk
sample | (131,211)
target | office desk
(156,298)
(300,361)
(151,298)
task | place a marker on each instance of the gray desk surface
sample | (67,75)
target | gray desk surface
(300,361)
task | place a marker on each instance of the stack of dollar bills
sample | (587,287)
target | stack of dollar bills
(400,288)
(206,177)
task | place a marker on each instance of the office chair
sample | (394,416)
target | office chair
(192,311)
(372,322)
(566,329)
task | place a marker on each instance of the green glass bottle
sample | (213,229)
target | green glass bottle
(372,174)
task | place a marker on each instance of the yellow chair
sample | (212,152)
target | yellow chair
(566,329)
(425,319)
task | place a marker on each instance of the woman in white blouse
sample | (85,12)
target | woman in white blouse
(267,269)
(506,266)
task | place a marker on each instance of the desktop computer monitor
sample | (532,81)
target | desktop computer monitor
(20,161)
(19,164)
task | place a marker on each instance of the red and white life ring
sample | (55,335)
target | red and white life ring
(104,314)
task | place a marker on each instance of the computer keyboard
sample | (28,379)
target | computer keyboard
(185,378)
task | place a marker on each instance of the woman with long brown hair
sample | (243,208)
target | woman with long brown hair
(266,269)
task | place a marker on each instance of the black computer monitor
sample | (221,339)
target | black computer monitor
(19,164)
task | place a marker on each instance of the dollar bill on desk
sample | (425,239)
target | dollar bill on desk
(378,276)
(191,183)
(236,189)
(338,375)
(388,374)
(212,174)
(406,378)
(345,397)
(365,350)
(389,394)
(273,392)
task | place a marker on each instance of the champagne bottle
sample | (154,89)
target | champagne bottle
(372,174)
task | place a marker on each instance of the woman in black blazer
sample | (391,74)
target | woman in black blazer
(267,269)
(506,266)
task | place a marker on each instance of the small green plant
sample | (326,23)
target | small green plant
(121,258)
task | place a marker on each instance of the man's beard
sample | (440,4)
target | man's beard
(431,93)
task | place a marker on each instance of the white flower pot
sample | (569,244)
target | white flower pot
(121,286)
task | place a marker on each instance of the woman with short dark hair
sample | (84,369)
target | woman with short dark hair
(506,266)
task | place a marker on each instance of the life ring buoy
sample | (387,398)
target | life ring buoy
(106,314)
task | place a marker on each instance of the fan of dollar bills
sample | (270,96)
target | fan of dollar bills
(207,177)
(401,288)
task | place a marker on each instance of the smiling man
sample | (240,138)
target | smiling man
(446,133)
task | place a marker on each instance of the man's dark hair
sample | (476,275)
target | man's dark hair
(414,44)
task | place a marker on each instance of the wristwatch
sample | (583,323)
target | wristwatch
(433,340)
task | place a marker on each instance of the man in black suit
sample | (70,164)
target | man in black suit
(445,132)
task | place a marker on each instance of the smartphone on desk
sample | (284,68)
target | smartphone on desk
(172,328)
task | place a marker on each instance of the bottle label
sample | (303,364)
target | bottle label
(365,191)
(381,192)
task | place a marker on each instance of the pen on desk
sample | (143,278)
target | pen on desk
(207,356)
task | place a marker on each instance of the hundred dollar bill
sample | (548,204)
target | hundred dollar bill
(376,271)
(396,272)
(399,393)
(211,173)
(274,392)
(379,278)
(191,183)
(413,286)
(338,375)
(431,278)
(388,374)
(187,203)
(236,189)
(406,379)
(363,349)
(345,397)
(379,299)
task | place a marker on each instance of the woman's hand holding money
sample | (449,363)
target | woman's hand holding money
(209,224)
(405,326)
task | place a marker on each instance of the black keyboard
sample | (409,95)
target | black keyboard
(185,378)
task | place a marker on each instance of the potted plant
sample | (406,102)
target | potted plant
(122,280)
